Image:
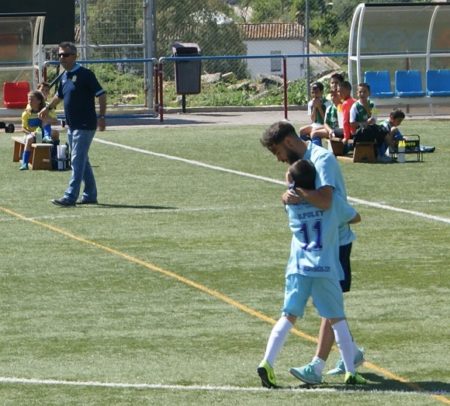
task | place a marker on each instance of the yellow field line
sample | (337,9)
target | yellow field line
(211,292)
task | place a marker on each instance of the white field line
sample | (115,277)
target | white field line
(188,161)
(270,180)
(210,388)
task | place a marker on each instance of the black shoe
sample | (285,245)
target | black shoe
(63,202)
(84,201)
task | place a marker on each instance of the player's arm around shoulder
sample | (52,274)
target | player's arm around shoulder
(320,198)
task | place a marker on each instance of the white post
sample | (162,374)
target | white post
(83,30)
(149,49)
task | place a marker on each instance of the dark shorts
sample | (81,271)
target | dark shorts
(344,259)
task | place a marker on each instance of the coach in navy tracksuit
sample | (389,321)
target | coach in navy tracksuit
(79,88)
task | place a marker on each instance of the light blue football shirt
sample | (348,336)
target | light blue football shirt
(328,173)
(314,246)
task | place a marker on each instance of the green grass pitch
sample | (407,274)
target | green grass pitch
(165,292)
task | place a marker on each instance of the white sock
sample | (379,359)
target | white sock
(319,365)
(345,343)
(276,339)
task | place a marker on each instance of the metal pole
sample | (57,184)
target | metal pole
(308,72)
(183,103)
(83,30)
(148,51)
(156,86)
(161,91)
(285,89)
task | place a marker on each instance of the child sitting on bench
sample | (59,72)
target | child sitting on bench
(35,130)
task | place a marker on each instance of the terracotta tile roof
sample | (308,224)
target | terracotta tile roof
(271,31)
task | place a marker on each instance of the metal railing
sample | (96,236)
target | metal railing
(159,73)
(157,81)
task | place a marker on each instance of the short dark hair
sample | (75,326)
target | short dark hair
(364,84)
(338,76)
(396,114)
(276,133)
(319,85)
(69,45)
(346,85)
(303,174)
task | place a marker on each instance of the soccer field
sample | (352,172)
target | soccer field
(165,293)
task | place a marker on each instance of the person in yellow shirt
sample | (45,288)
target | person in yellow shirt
(33,126)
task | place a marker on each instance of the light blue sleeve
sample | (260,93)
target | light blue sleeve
(328,171)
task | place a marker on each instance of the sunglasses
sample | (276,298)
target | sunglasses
(65,54)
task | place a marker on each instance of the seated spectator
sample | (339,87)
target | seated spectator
(335,80)
(391,125)
(331,123)
(344,131)
(35,130)
(316,110)
(362,112)
(363,122)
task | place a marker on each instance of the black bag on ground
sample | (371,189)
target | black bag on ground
(371,133)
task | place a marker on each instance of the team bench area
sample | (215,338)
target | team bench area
(365,151)
(40,157)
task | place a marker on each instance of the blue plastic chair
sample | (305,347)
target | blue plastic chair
(438,83)
(408,83)
(380,83)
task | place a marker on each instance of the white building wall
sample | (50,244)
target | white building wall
(295,66)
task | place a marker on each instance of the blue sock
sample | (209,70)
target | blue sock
(305,137)
(47,130)
(382,149)
(317,141)
(26,157)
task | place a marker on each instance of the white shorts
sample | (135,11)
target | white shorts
(326,295)
(316,126)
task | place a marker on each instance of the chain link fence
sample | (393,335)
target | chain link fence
(115,29)
(110,30)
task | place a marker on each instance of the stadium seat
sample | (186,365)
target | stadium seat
(408,83)
(15,94)
(379,82)
(438,83)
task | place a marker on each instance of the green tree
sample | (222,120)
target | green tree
(207,23)
(271,10)
(114,22)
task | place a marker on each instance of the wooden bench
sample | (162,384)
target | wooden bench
(336,147)
(364,152)
(40,157)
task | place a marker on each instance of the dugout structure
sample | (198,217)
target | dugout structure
(20,46)
(400,47)
(26,27)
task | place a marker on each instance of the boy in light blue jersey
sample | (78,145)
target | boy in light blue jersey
(328,173)
(313,270)
(282,140)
